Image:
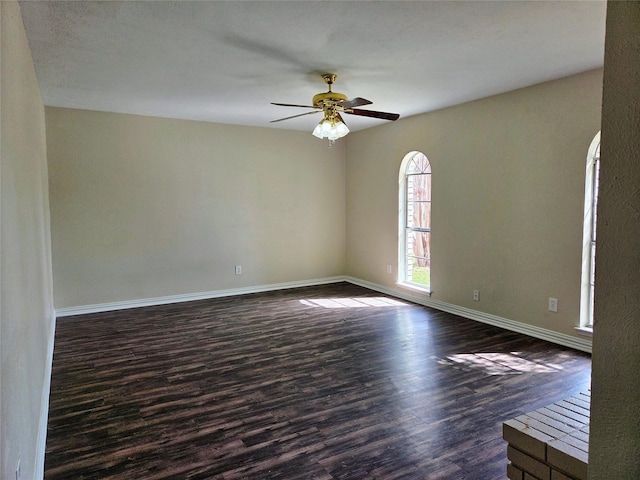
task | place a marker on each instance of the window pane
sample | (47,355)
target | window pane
(419,215)
(419,271)
(419,187)
(418,164)
(419,245)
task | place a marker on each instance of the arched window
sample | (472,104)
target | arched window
(414,233)
(592,178)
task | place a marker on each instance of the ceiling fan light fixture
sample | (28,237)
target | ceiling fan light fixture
(331,128)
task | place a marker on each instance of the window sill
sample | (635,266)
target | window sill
(586,331)
(415,288)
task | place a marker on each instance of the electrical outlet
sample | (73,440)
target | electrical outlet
(553,304)
(18,470)
(389,268)
(476,295)
(238,270)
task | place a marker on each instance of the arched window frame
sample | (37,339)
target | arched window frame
(589,233)
(412,164)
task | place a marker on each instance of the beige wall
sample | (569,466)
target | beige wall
(497,163)
(508,193)
(146,207)
(26,304)
(614,445)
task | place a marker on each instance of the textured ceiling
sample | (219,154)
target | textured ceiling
(225,61)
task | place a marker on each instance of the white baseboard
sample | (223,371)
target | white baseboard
(188,297)
(582,344)
(44,404)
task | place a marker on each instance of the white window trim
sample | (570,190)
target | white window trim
(402,235)
(586,331)
(585,287)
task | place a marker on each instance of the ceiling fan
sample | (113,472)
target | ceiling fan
(332,104)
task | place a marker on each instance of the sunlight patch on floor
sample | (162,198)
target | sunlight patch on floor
(497,363)
(355,302)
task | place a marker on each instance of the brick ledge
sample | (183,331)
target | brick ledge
(551,443)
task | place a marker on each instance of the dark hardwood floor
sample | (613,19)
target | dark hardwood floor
(328,382)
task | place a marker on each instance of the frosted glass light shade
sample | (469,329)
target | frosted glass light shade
(330,129)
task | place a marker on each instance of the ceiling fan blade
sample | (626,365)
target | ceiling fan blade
(356,102)
(292,105)
(295,116)
(373,113)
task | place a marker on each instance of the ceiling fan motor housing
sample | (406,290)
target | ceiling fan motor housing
(334,103)
(328,98)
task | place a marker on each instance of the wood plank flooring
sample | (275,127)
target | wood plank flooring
(327,382)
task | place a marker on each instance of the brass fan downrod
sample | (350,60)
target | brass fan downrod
(327,99)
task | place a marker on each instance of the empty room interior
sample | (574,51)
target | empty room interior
(193,285)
